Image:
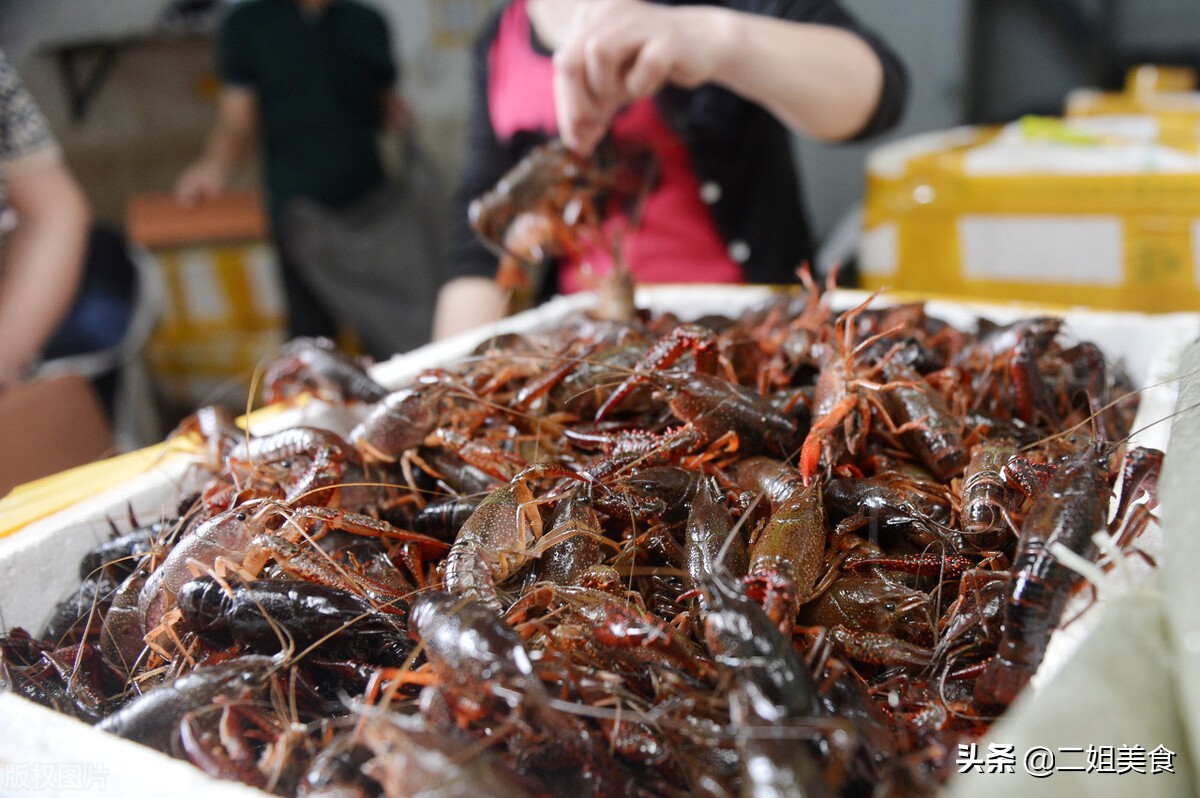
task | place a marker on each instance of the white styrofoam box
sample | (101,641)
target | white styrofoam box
(38,564)
(43,753)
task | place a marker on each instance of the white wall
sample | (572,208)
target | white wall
(436,72)
(1025,68)
(26,25)
(931,37)
(150,116)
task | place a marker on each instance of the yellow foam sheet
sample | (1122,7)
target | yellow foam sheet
(36,500)
(39,499)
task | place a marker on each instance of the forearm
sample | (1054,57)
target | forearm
(231,140)
(41,272)
(397,113)
(227,148)
(820,80)
(470,297)
(466,303)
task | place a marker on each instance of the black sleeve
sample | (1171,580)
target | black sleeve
(376,50)
(894,95)
(486,162)
(235,59)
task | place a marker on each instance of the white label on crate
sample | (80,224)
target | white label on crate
(1082,250)
(890,160)
(1196,251)
(205,298)
(170,308)
(265,280)
(877,253)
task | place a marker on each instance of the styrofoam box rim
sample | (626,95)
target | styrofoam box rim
(43,753)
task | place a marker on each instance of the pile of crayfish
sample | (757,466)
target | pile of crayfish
(799,552)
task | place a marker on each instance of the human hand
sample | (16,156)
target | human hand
(200,181)
(397,113)
(617,51)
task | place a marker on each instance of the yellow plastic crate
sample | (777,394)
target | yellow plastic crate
(1166,95)
(1065,218)
(223,316)
(224,310)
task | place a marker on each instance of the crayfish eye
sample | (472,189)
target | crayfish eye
(240,517)
(890,606)
(285,464)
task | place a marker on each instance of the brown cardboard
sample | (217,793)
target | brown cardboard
(157,220)
(49,425)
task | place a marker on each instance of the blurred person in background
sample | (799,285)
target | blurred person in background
(710,90)
(44,220)
(312,81)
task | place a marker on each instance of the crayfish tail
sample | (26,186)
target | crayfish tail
(1001,682)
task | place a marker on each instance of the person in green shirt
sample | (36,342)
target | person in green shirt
(315,80)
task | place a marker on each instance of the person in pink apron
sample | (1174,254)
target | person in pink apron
(710,91)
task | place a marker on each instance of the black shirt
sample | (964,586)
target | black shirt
(318,80)
(741,153)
